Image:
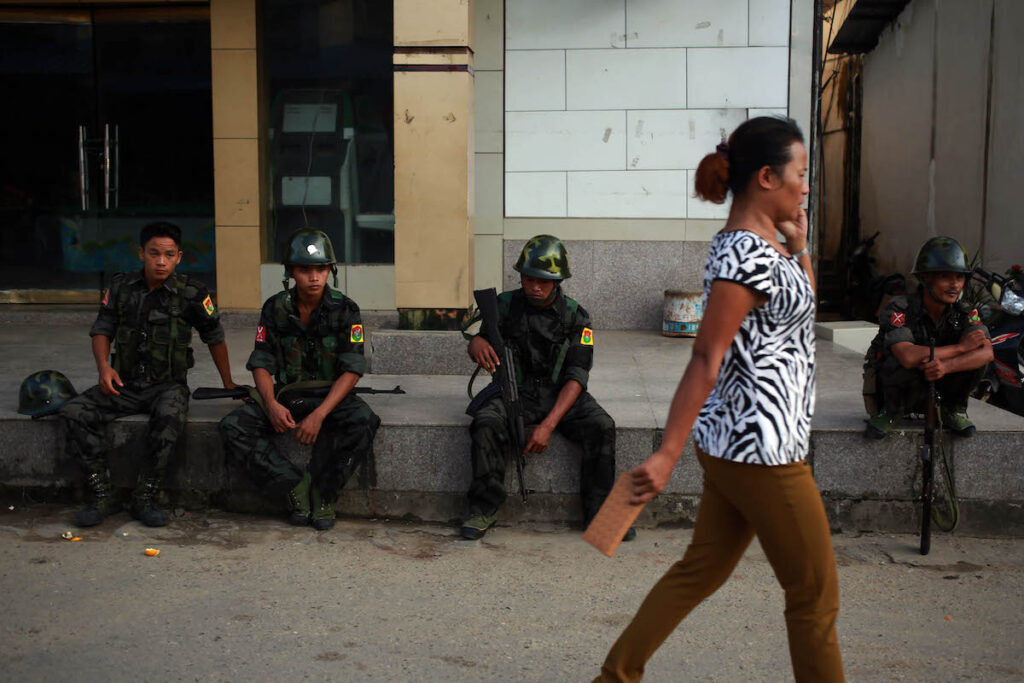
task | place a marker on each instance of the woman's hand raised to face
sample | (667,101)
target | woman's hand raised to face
(795,231)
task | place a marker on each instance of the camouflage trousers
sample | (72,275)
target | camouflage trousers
(586,424)
(898,390)
(86,416)
(344,442)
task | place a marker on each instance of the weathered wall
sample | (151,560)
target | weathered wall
(592,117)
(926,168)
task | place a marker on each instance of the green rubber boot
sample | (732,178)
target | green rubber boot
(298,502)
(476,526)
(959,423)
(323,511)
(879,425)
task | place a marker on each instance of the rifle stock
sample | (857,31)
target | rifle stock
(505,377)
(928,460)
(244,391)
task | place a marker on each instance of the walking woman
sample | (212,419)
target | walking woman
(750,388)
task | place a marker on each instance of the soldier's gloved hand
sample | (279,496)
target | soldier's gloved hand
(309,428)
(539,439)
(110,381)
(483,354)
(280,417)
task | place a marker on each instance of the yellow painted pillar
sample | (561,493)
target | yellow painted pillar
(433,138)
(236,177)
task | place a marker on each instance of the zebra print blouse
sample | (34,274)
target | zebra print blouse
(760,409)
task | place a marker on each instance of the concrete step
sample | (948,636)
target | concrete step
(421,466)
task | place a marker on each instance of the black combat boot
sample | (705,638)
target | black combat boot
(102,501)
(144,506)
(323,510)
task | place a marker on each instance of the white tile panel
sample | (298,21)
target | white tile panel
(487,111)
(754,113)
(534,80)
(769,22)
(676,139)
(487,266)
(565,141)
(627,194)
(737,77)
(686,23)
(698,208)
(561,24)
(535,194)
(625,79)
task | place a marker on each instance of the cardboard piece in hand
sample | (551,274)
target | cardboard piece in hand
(614,518)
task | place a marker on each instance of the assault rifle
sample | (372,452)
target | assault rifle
(928,460)
(299,398)
(503,383)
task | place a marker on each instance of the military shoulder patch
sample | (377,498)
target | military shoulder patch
(208,305)
(261,334)
(897,319)
(356,335)
(974,318)
(587,338)
(106,297)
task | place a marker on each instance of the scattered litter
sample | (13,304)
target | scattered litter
(67,535)
(11,508)
(76,538)
(152,552)
(124,533)
(949,618)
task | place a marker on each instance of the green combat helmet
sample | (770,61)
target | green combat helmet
(941,254)
(44,392)
(545,257)
(309,247)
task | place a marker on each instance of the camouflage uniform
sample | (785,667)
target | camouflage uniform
(551,346)
(151,333)
(891,387)
(329,346)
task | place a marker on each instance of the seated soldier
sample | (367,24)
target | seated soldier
(553,346)
(897,368)
(310,334)
(149,316)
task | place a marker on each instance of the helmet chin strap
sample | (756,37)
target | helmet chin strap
(287,274)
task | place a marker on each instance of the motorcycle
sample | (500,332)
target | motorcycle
(1004,316)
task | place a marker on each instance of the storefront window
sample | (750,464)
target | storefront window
(328,84)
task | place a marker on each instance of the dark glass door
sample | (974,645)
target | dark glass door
(108,127)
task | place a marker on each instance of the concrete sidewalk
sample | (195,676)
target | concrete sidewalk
(421,467)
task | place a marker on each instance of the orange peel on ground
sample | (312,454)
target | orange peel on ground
(152,552)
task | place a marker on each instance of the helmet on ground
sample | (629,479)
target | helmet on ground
(545,257)
(941,254)
(44,392)
(308,247)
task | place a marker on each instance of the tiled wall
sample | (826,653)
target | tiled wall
(611,104)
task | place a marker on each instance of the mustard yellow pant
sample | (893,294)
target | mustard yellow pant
(780,504)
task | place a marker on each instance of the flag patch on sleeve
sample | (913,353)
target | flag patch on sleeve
(587,338)
(208,305)
(261,334)
(356,335)
(974,318)
(106,297)
(897,319)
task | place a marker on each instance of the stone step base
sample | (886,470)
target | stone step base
(422,472)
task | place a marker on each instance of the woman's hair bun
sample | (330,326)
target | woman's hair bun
(711,183)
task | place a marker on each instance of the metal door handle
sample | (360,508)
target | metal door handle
(83,170)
